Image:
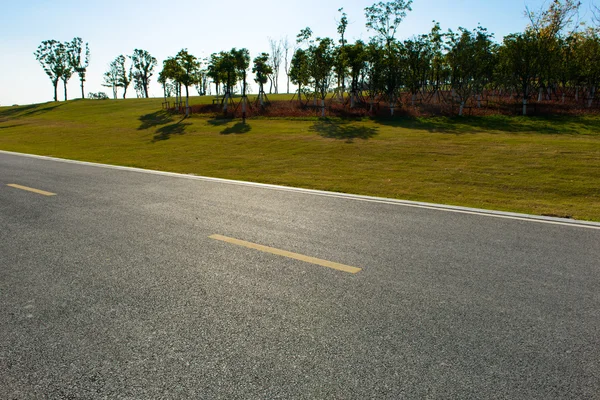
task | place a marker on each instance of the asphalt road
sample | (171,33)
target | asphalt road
(113,288)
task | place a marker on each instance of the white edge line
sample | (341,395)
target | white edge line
(371,199)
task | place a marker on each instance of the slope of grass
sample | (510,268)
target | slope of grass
(548,166)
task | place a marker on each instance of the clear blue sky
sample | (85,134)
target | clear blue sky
(164,27)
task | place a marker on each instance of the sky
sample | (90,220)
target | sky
(114,27)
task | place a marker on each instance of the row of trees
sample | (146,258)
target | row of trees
(554,57)
(546,58)
(60,60)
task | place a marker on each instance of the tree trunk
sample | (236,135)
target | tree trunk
(352,99)
(524,106)
(55,84)
(391,108)
(540,93)
(300,93)
(460,110)
(146,89)
(187,102)
(591,98)
(322,107)
(65,87)
(244,109)
(260,95)
(82,91)
(414,97)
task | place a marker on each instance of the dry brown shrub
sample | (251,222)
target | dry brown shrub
(424,106)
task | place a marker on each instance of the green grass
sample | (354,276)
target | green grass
(544,166)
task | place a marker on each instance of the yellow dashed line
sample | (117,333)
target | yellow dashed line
(289,254)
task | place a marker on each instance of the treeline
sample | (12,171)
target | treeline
(553,59)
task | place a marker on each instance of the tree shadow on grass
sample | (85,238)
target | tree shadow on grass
(237,129)
(28,110)
(154,119)
(165,132)
(495,123)
(343,130)
(219,122)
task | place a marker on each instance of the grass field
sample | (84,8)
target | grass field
(544,166)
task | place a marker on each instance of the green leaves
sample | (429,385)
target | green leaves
(384,18)
(143,69)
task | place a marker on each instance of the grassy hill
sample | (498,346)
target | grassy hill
(545,166)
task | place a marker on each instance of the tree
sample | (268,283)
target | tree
(518,63)
(202,79)
(261,70)
(48,55)
(172,70)
(356,55)
(125,76)
(439,69)
(384,18)
(111,78)
(65,65)
(471,60)
(79,58)
(229,68)
(300,70)
(242,63)
(223,69)
(461,52)
(416,59)
(588,62)
(143,69)
(215,71)
(375,70)
(485,59)
(118,76)
(341,57)
(189,67)
(547,26)
(275,61)
(552,21)
(304,36)
(321,65)
(286,64)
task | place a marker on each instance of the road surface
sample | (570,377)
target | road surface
(119,283)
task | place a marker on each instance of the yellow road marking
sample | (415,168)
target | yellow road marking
(289,254)
(14,185)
